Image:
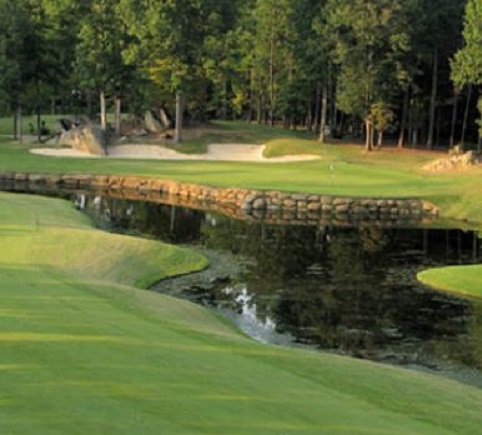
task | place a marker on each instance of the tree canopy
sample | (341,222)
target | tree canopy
(358,68)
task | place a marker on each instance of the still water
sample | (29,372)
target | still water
(349,291)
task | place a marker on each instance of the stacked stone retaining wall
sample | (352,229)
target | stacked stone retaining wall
(271,206)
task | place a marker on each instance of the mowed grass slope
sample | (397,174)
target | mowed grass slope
(82,351)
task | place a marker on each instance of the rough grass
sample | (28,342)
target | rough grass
(6,123)
(83,352)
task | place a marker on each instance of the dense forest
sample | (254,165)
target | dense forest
(409,71)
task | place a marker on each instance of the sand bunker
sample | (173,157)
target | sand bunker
(219,152)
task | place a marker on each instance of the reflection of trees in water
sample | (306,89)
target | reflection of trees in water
(350,290)
(332,288)
(472,353)
(163,222)
(280,252)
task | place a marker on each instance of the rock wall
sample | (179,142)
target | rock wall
(271,206)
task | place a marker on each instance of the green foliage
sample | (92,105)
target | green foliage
(382,116)
(276,61)
(467,64)
(15,33)
(99,62)
(368,39)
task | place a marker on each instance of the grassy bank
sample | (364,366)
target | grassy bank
(463,280)
(84,352)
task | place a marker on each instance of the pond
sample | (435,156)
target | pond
(350,291)
(346,290)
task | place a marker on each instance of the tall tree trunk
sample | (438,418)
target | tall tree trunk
(433,99)
(118,110)
(271,77)
(89,103)
(224,108)
(333,110)
(466,116)
(454,119)
(15,124)
(265,112)
(39,124)
(403,126)
(249,78)
(103,114)
(369,135)
(309,119)
(410,122)
(324,112)
(259,117)
(316,120)
(439,118)
(37,112)
(341,124)
(179,113)
(18,115)
(380,139)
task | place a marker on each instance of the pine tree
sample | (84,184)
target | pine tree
(369,39)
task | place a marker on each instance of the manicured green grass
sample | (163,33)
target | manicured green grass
(223,132)
(296,146)
(84,352)
(464,280)
(342,170)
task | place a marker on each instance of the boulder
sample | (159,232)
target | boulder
(89,139)
(468,159)
(259,204)
(165,118)
(152,122)
(455,161)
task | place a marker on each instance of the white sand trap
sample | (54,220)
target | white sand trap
(228,152)
(62,152)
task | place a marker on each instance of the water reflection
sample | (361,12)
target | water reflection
(349,291)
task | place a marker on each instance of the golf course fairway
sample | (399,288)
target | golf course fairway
(85,350)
